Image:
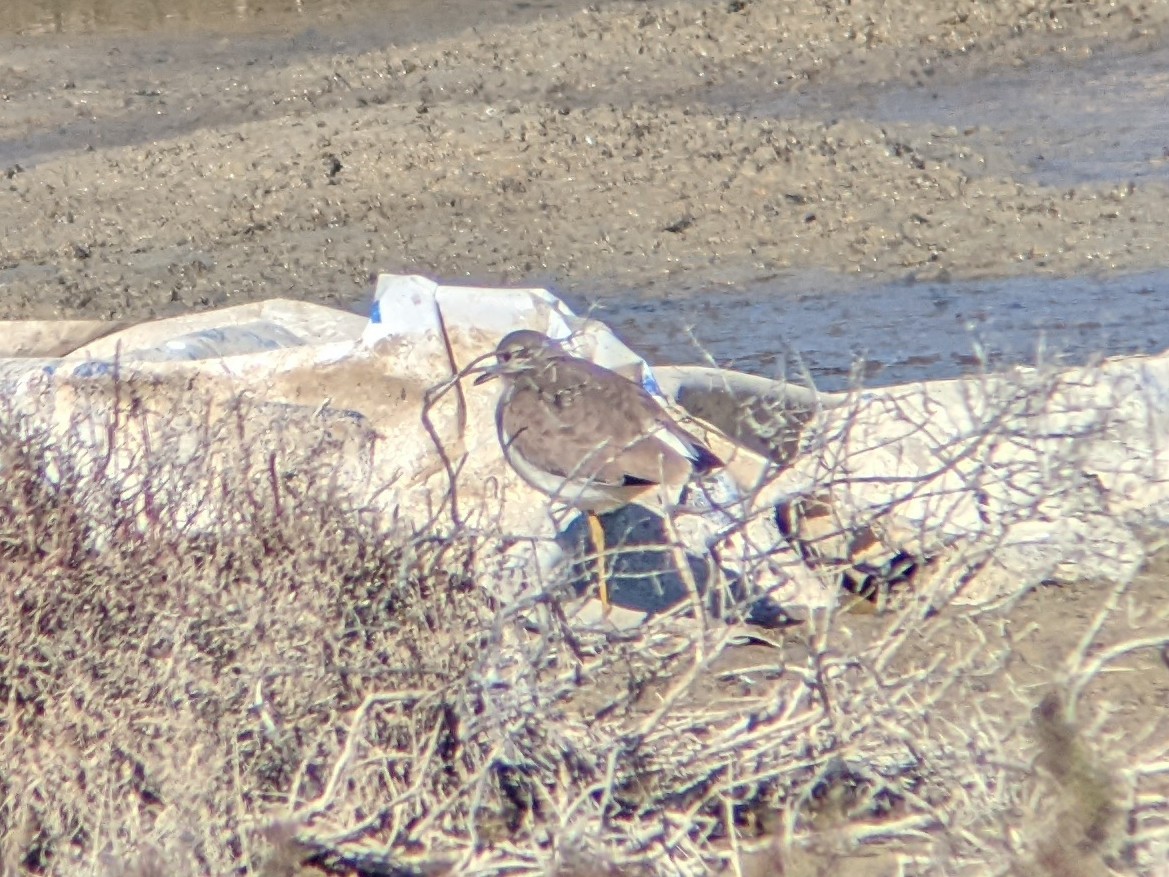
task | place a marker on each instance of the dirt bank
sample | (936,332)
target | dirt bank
(620,147)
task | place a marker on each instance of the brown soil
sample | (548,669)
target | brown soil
(598,149)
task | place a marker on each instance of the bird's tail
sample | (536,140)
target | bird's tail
(704,460)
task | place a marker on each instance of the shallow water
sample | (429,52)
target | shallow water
(94,16)
(31,17)
(402,19)
(839,332)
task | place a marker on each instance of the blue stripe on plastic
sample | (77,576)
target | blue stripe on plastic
(651,383)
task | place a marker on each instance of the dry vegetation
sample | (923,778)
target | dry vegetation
(270,681)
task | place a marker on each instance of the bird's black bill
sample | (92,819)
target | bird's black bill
(485,377)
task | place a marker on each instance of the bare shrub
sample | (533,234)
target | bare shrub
(168,676)
(217,657)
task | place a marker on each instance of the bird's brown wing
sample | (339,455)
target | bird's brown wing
(615,435)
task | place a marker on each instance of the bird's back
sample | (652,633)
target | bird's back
(576,420)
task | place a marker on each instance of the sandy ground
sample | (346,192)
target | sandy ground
(622,147)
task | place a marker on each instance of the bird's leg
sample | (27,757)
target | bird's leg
(597,535)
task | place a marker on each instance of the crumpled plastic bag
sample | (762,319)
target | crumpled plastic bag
(983,485)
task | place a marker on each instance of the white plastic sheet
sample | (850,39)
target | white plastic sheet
(1019,477)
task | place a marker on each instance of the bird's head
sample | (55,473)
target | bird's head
(519,351)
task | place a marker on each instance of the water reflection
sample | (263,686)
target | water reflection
(841,331)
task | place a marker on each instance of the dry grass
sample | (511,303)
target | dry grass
(271,681)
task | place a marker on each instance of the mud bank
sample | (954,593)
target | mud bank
(653,147)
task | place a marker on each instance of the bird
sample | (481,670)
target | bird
(587,437)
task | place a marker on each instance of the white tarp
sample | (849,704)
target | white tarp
(1002,480)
